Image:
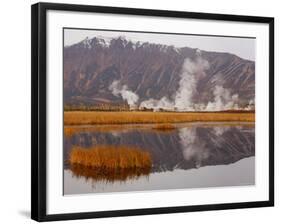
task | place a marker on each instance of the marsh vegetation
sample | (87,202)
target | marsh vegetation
(140,117)
(110,157)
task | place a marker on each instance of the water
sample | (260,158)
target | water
(195,155)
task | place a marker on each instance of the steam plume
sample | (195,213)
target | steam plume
(124,92)
(163,103)
(223,100)
(192,71)
(251,105)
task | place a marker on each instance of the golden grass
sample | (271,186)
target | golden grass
(68,131)
(110,163)
(137,117)
(71,130)
(98,174)
(110,158)
(164,127)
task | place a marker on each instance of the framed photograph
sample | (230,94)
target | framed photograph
(139,111)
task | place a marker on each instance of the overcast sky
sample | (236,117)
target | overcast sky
(242,47)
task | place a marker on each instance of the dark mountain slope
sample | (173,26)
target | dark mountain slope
(149,70)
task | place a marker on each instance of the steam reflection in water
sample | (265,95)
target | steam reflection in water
(184,153)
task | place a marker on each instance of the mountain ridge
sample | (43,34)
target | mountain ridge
(149,70)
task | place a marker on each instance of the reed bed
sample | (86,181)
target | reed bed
(137,117)
(109,175)
(71,130)
(109,158)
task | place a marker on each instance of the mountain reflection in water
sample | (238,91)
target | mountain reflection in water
(185,148)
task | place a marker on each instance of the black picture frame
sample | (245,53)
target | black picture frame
(39,108)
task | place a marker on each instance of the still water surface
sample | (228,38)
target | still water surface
(195,155)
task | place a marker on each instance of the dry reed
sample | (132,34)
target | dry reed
(109,175)
(164,127)
(137,117)
(110,158)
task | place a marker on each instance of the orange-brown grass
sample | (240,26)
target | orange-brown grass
(164,127)
(137,117)
(110,158)
(73,129)
(68,131)
(109,175)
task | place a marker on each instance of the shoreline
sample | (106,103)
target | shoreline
(141,117)
(69,130)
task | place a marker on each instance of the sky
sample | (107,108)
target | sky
(242,47)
